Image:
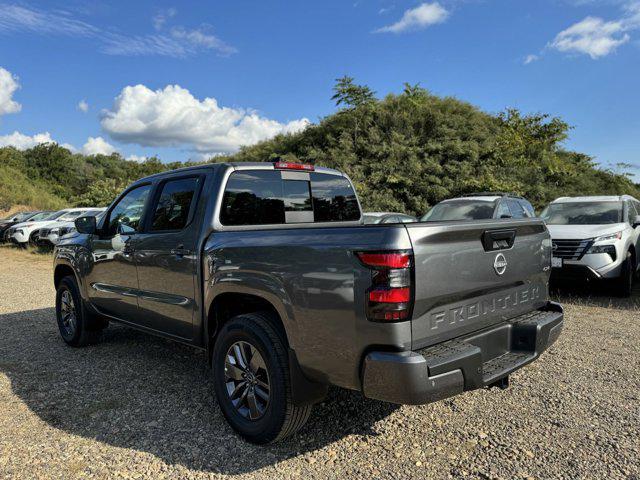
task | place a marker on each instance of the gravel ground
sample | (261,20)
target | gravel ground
(136,406)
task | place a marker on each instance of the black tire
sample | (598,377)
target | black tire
(627,277)
(78,327)
(32,239)
(279,417)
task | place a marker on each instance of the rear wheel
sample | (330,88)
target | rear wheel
(628,276)
(78,327)
(252,382)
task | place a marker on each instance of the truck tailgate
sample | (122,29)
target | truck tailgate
(471,275)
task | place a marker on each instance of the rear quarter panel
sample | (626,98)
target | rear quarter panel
(317,284)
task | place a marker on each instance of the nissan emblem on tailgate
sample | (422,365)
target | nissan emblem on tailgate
(500,264)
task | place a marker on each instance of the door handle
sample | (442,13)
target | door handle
(180,251)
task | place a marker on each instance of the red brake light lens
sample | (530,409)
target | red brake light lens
(390,297)
(293,166)
(393,295)
(385,260)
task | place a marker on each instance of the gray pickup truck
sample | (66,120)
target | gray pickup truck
(269,269)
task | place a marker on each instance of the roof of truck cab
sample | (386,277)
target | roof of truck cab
(213,166)
(594,198)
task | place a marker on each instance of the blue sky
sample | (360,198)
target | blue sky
(190,79)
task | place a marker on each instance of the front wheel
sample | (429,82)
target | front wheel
(252,382)
(77,326)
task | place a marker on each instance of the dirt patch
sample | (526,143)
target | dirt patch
(135,406)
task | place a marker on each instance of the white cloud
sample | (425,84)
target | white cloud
(8,86)
(137,158)
(22,142)
(161,18)
(83,106)
(418,18)
(14,18)
(174,117)
(592,36)
(531,58)
(97,146)
(596,37)
(179,42)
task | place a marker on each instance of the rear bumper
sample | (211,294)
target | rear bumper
(473,361)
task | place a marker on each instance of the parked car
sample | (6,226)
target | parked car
(8,222)
(480,206)
(32,217)
(269,270)
(50,234)
(27,232)
(369,218)
(595,238)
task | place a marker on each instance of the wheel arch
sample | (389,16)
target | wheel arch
(62,270)
(230,304)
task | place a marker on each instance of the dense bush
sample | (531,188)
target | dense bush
(409,151)
(404,153)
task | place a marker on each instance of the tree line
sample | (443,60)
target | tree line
(404,152)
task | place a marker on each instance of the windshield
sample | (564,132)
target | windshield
(56,215)
(583,213)
(460,210)
(40,216)
(69,216)
(24,216)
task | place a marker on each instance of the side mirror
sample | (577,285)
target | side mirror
(86,225)
(636,221)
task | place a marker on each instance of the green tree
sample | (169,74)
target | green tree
(347,93)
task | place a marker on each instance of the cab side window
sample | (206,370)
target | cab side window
(171,212)
(125,216)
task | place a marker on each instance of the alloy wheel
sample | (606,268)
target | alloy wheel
(68,313)
(247,380)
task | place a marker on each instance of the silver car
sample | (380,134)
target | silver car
(595,238)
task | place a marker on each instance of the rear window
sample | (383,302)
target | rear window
(460,210)
(263,197)
(333,199)
(583,213)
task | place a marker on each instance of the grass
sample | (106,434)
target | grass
(17,189)
(8,250)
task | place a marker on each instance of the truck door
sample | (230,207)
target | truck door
(112,278)
(166,257)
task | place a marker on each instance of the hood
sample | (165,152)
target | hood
(29,224)
(582,232)
(57,223)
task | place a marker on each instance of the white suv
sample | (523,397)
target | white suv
(52,232)
(595,238)
(26,232)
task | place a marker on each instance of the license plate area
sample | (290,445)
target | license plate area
(556,262)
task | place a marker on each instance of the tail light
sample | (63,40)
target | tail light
(390,298)
(293,166)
